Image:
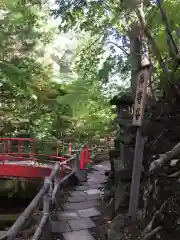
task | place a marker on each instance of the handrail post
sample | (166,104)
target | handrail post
(55,189)
(47,201)
(80,174)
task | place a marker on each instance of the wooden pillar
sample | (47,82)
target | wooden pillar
(143,76)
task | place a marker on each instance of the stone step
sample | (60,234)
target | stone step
(91,185)
(72,225)
(77,199)
(60,227)
(67,215)
(81,224)
(89,212)
(81,205)
(78,235)
(93,191)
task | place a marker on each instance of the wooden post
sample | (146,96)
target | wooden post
(135,184)
(140,98)
(142,81)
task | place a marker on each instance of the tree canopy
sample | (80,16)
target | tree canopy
(51,87)
(109,22)
(41,78)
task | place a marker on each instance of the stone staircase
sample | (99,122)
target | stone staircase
(75,221)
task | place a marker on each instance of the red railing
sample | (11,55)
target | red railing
(15,154)
(13,149)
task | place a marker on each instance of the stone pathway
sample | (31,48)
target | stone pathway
(83,203)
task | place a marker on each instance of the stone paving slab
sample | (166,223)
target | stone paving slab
(89,212)
(67,215)
(91,186)
(80,224)
(100,174)
(96,179)
(92,180)
(60,227)
(77,199)
(77,193)
(92,183)
(82,188)
(78,235)
(81,205)
(93,191)
(100,168)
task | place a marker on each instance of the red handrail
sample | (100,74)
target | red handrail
(7,154)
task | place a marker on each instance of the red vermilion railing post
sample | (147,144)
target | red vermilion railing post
(87,155)
(62,171)
(69,148)
(33,148)
(62,146)
(57,152)
(4,148)
(9,146)
(19,146)
(82,159)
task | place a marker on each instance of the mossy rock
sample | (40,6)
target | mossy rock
(117,142)
(19,188)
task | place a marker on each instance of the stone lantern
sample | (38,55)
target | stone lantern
(122,156)
(125,140)
(123,105)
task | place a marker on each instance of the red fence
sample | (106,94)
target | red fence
(17,154)
(16,149)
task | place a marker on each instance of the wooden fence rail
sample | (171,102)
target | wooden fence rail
(46,196)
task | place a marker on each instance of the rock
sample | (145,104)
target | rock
(109,211)
(124,174)
(119,194)
(19,188)
(114,153)
(103,232)
(117,226)
(118,164)
(109,190)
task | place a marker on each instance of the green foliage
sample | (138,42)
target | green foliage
(74,101)
(110,22)
(32,103)
(29,102)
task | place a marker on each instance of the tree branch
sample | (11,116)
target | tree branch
(152,43)
(172,45)
(118,46)
(147,230)
(173,49)
(152,233)
(165,158)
